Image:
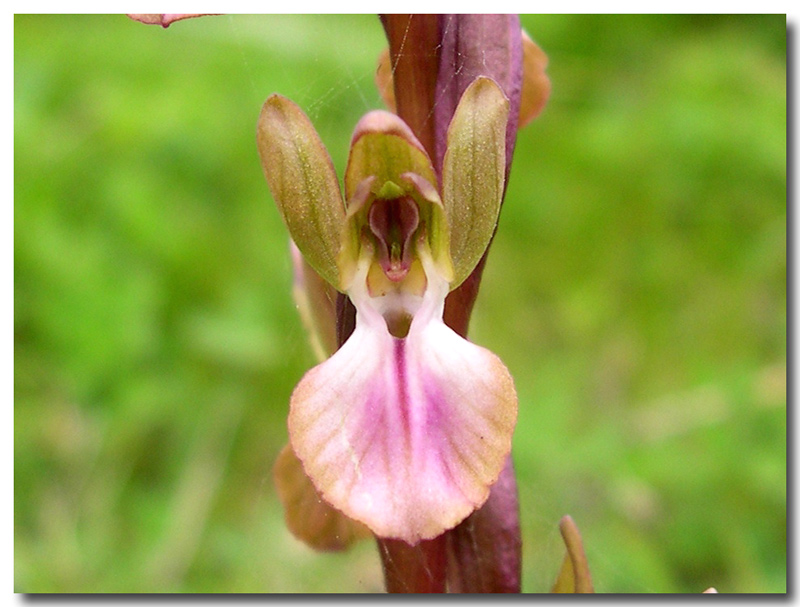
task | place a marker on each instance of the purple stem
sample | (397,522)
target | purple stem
(414,569)
(434,58)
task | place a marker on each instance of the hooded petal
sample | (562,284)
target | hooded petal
(383,146)
(303,183)
(473,175)
(405,435)
(387,162)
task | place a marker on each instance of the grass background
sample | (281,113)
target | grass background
(636,290)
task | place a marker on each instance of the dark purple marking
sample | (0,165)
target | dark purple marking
(402,392)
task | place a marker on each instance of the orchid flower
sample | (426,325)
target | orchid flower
(406,427)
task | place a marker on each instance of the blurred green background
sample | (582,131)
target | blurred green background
(636,290)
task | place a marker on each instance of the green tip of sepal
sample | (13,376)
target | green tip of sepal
(303,183)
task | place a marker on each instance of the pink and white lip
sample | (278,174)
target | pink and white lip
(405,435)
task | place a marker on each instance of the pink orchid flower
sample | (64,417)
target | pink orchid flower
(407,426)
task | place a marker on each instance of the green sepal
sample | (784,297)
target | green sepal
(303,183)
(473,173)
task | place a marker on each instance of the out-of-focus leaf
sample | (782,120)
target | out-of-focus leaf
(574,577)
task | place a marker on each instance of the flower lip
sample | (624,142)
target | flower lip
(408,434)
